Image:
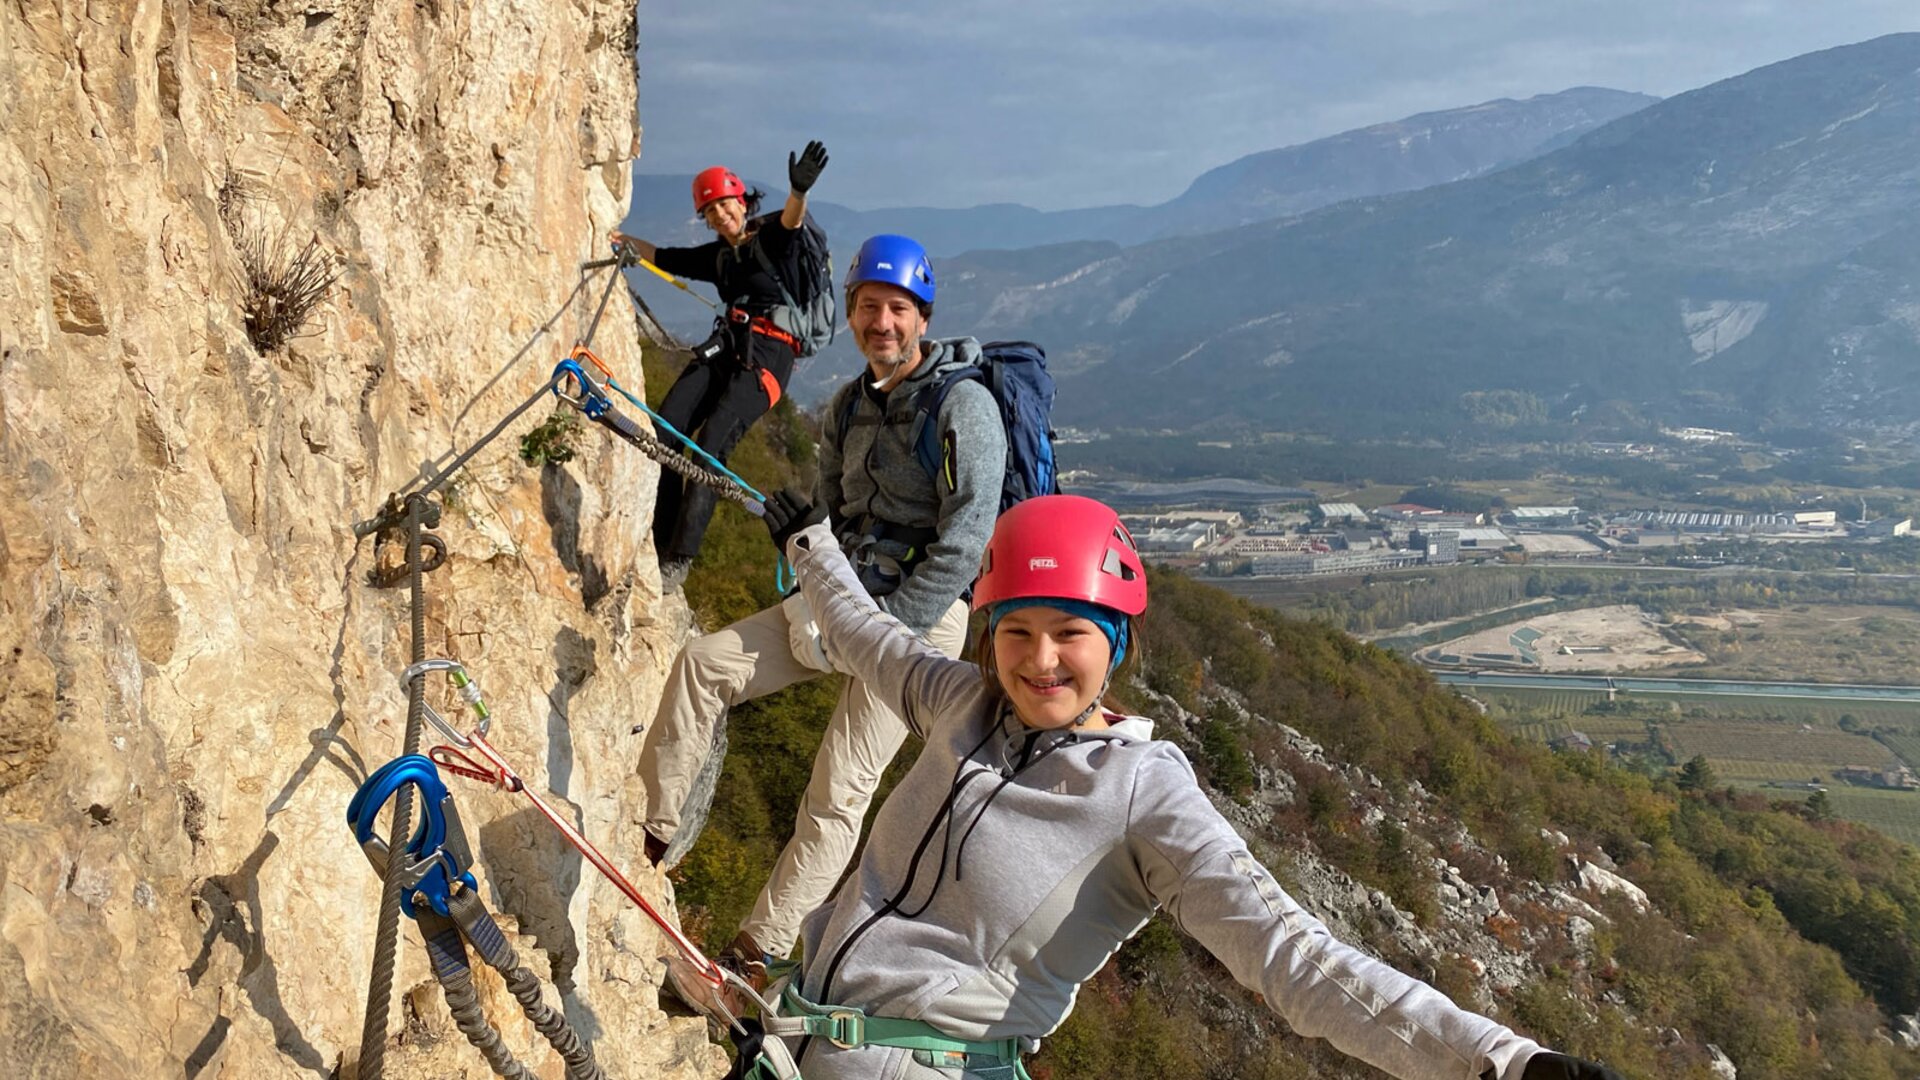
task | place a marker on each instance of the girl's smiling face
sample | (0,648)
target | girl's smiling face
(1051,665)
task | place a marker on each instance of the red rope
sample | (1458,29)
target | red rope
(502,775)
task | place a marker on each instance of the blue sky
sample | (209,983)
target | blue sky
(1066,103)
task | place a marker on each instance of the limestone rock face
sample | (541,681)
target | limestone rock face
(194,672)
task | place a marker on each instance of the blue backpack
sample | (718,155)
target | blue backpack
(1015,373)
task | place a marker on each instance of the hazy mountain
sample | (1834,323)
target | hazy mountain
(662,212)
(1743,252)
(1403,155)
(1419,151)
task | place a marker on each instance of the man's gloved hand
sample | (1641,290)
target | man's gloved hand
(786,513)
(804,168)
(1551,1066)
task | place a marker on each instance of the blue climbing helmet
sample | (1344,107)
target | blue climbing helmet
(892,260)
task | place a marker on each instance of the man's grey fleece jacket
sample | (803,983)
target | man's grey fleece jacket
(871,472)
(1010,863)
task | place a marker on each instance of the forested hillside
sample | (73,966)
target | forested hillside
(1409,822)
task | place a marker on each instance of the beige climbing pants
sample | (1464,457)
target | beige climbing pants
(750,659)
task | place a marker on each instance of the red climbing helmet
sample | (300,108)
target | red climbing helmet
(716,183)
(1065,546)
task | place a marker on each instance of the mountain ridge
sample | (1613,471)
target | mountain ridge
(1469,140)
(1689,255)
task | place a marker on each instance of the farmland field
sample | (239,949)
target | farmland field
(1540,703)
(1743,772)
(1749,742)
(1815,643)
(1869,714)
(1895,813)
(1603,728)
(1906,744)
(1745,740)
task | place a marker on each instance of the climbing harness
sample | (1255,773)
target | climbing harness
(437,891)
(850,1028)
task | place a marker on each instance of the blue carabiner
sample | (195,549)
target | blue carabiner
(592,401)
(431,870)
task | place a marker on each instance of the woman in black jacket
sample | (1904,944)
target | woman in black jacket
(739,373)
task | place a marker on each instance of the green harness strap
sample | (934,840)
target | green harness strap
(850,1028)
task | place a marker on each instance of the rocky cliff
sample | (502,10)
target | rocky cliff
(195,672)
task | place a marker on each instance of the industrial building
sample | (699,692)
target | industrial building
(1442,546)
(1483,538)
(1544,517)
(1177,540)
(1705,521)
(1335,562)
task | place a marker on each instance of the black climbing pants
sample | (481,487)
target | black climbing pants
(713,402)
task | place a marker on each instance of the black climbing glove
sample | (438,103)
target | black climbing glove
(787,513)
(1548,1065)
(804,168)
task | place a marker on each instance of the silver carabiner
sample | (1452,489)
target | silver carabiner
(470,690)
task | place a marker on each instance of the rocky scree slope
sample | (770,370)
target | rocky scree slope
(1601,909)
(194,672)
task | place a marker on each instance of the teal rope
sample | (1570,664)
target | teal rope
(689,443)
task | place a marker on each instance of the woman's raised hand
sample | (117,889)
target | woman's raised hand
(804,168)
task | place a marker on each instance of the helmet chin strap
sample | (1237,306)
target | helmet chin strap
(896,363)
(1086,714)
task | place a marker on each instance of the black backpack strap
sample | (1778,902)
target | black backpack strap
(928,404)
(766,263)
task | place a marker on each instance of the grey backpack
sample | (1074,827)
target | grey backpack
(811,311)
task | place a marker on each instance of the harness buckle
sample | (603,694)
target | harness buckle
(847,1028)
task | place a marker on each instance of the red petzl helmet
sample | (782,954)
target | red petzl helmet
(1062,546)
(718,182)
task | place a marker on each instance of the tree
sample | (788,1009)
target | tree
(1819,807)
(1696,774)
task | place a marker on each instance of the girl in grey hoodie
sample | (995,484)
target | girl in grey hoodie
(1037,832)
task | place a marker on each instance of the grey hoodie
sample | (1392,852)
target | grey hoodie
(1057,846)
(873,473)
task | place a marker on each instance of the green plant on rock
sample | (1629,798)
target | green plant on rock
(552,442)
